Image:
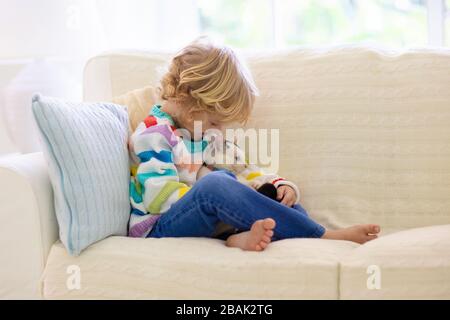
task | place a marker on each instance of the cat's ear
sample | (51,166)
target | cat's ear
(213,148)
(209,154)
(218,143)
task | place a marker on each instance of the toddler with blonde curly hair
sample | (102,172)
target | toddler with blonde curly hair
(209,84)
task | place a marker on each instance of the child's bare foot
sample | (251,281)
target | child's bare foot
(257,239)
(359,233)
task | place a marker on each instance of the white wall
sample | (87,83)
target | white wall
(74,30)
(7,73)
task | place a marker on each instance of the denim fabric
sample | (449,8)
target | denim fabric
(219,197)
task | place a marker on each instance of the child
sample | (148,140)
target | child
(208,83)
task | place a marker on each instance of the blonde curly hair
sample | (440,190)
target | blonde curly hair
(207,77)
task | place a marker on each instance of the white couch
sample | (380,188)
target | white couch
(364,133)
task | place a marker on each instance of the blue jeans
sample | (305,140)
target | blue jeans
(219,197)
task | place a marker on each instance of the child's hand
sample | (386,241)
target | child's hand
(286,195)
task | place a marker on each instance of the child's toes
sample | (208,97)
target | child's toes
(268,223)
(372,228)
(258,247)
(263,244)
(266,239)
(269,233)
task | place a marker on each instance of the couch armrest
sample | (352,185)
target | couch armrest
(28,226)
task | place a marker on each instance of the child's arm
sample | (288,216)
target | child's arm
(255,177)
(156,184)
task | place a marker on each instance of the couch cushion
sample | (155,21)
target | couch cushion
(365,134)
(197,268)
(85,145)
(139,103)
(413,264)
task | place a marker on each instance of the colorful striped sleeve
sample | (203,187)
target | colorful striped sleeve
(255,177)
(156,173)
(154,184)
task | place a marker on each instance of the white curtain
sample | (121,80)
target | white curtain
(75,28)
(162,25)
(47,43)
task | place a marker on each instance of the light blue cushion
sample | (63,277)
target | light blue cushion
(85,145)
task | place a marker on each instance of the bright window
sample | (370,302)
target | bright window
(283,23)
(237,22)
(336,21)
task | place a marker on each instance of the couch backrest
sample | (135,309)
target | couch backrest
(364,133)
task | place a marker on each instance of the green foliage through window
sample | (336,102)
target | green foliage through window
(261,23)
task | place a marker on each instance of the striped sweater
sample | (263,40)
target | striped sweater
(163,170)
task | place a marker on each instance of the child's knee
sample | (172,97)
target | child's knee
(216,181)
(219,176)
(224,173)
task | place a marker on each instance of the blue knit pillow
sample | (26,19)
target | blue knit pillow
(85,145)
